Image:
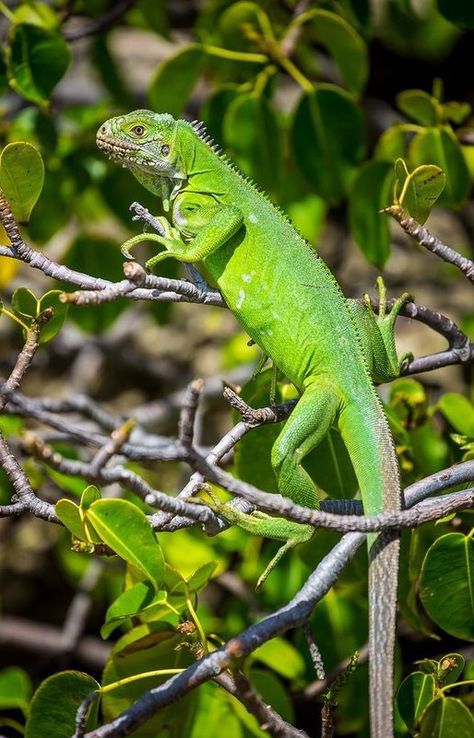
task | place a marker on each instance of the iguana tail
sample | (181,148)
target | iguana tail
(366,434)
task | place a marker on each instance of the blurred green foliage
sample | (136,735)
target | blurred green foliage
(285,94)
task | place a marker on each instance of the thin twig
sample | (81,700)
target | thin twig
(314,651)
(101,24)
(430,242)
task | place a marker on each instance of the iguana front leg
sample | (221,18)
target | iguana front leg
(201,226)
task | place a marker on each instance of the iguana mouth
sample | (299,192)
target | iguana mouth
(123,152)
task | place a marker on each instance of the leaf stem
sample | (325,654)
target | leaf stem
(137,677)
(196,621)
(244,56)
(12,315)
(294,72)
(7,12)
(456,684)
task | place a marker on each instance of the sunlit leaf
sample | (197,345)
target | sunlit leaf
(124,528)
(418,191)
(459,411)
(8,269)
(69,515)
(282,657)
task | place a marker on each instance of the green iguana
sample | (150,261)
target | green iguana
(290,304)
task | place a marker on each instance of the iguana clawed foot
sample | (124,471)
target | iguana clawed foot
(381,316)
(170,239)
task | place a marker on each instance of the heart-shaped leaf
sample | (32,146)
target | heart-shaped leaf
(21,178)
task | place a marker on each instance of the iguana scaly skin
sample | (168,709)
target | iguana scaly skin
(290,304)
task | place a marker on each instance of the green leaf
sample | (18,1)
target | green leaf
(253,454)
(447,718)
(172,720)
(328,138)
(439,146)
(133,601)
(447,584)
(273,693)
(330,467)
(459,411)
(419,190)
(37,60)
(15,689)
(53,326)
(36,13)
(25,303)
(142,637)
(201,576)
(344,44)
(419,106)
(450,668)
(459,12)
(414,694)
(252,137)
(90,495)
(125,528)
(21,178)
(214,108)
(282,657)
(391,144)
(370,193)
(213,716)
(55,703)
(456,111)
(239,18)
(70,516)
(174,79)
(99,257)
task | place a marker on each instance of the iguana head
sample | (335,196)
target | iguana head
(144,142)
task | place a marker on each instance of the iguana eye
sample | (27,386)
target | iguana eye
(138,130)
(165,149)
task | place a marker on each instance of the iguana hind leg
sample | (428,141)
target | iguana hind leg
(306,427)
